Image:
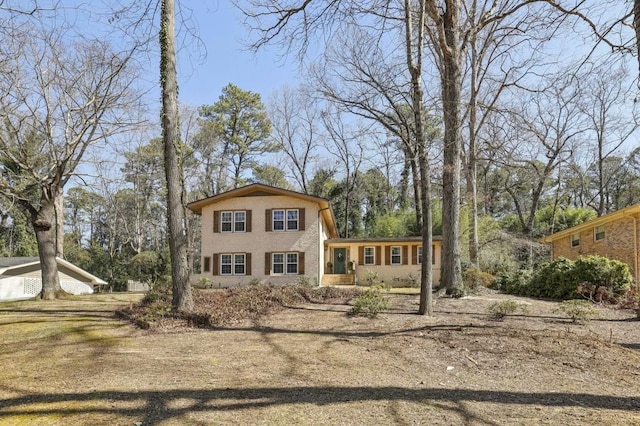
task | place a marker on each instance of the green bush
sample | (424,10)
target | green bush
(553,280)
(513,282)
(577,310)
(498,310)
(370,303)
(595,277)
(606,279)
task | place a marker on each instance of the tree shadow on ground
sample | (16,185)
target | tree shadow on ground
(154,407)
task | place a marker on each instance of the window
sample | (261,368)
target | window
(369,256)
(285,220)
(233,264)
(239,220)
(278,220)
(233,221)
(239,264)
(225,264)
(226,221)
(575,240)
(278,263)
(292,263)
(419,255)
(292,220)
(599,233)
(284,263)
(396,255)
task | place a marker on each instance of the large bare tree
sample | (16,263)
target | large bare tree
(295,129)
(174,153)
(60,98)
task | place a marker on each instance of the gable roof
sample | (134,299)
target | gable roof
(631,211)
(9,263)
(258,190)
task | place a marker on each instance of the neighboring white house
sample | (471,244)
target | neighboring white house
(21,278)
(260,233)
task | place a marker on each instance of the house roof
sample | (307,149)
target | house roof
(8,263)
(381,240)
(631,211)
(257,190)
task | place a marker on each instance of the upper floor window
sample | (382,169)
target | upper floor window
(575,240)
(369,255)
(292,220)
(285,220)
(239,221)
(598,233)
(232,221)
(396,255)
(226,221)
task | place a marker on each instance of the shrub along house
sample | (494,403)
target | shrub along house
(260,233)
(615,235)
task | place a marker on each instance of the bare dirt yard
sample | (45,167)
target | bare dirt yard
(72,362)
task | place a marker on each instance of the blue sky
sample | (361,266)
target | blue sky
(227,61)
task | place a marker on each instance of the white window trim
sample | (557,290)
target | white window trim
(233,221)
(297,263)
(297,220)
(577,239)
(285,263)
(222,255)
(285,220)
(234,263)
(595,233)
(399,255)
(372,255)
(420,255)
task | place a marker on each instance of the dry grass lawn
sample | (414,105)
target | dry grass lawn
(72,362)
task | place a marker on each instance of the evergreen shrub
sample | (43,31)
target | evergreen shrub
(595,277)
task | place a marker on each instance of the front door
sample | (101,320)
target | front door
(340,261)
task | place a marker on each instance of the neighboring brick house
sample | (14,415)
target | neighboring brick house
(615,235)
(273,235)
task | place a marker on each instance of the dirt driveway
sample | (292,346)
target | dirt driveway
(71,362)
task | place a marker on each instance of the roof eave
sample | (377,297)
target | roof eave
(630,211)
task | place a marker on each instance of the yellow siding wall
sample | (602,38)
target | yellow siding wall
(395,275)
(259,241)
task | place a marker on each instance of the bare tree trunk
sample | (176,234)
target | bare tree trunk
(472,184)
(414,64)
(59,215)
(42,221)
(178,241)
(451,86)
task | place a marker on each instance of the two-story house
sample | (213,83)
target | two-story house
(273,235)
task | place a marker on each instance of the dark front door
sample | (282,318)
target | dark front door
(340,261)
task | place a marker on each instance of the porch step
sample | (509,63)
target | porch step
(338,279)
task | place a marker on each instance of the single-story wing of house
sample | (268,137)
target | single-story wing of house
(615,235)
(259,233)
(21,278)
